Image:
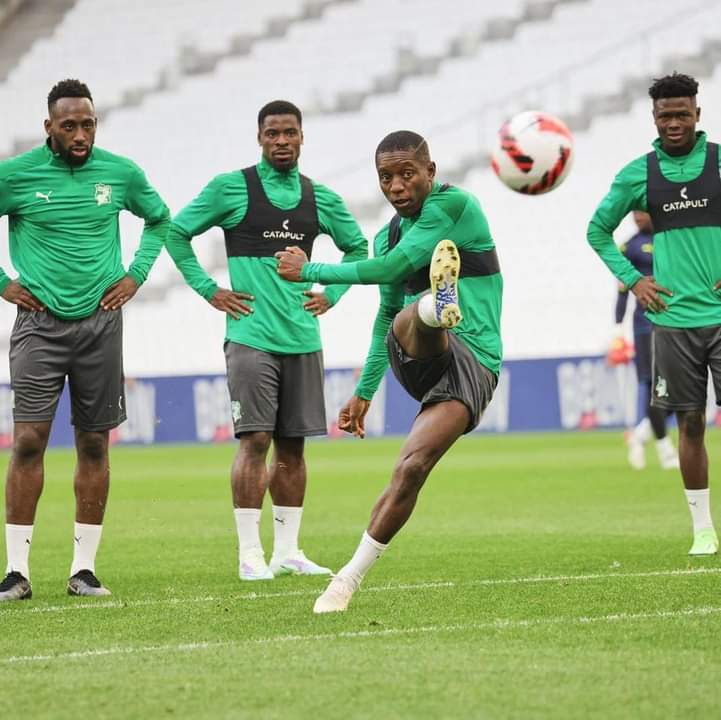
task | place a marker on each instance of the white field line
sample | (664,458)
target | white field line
(148,602)
(498,624)
(127,604)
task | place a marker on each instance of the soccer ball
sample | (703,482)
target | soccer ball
(534,153)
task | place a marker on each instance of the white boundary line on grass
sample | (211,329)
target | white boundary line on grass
(123,604)
(497,624)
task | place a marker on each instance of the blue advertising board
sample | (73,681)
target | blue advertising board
(570,393)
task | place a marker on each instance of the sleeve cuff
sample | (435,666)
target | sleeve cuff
(309,272)
(209,291)
(138,277)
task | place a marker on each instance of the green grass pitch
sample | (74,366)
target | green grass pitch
(540,577)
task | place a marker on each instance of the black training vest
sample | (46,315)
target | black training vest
(674,205)
(473,264)
(266,229)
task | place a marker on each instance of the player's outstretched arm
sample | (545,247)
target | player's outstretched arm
(337,222)
(387,269)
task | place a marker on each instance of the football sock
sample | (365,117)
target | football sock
(86,541)
(286,527)
(427,311)
(247,521)
(17,542)
(368,551)
(642,431)
(698,504)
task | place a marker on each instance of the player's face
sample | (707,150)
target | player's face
(676,120)
(405,180)
(281,136)
(71,129)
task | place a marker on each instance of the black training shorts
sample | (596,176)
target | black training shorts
(454,375)
(682,359)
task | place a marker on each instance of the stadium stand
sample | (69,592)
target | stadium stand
(183,103)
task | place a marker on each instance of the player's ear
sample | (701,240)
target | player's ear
(431,169)
(698,114)
(48,122)
(258,136)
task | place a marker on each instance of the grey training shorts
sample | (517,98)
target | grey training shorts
(269,392)
(682,359)
(44,350)
(454,375)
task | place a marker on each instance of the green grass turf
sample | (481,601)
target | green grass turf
(455,621)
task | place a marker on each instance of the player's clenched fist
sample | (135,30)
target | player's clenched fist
(290,263)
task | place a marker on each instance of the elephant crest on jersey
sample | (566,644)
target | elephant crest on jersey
(103,194)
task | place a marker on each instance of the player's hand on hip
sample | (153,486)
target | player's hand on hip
(117,295)
(290,263)
(717,286)
(231,302)
(352,416)
(648,293)
(318,303)
(15,293)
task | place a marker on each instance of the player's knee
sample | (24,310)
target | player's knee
(255,444)
(412,472)
(92,447)
(692,423)
(29,445)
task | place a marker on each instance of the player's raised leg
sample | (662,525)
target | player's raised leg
(441,307)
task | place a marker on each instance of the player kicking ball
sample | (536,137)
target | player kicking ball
(444,346)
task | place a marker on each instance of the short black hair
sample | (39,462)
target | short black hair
(68,89)
(405,140)
(279,107)
(676,85)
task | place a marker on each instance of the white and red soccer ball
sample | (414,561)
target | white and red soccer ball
(534,153)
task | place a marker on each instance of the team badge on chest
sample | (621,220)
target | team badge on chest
(103,194)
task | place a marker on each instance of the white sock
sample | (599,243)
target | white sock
(286,527)
(247,521)
(643,431)
(17,542)
(86,541)
(427,311)
(664,446)
(698,504)
(368,551)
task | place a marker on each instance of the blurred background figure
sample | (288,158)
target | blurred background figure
(639,250)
